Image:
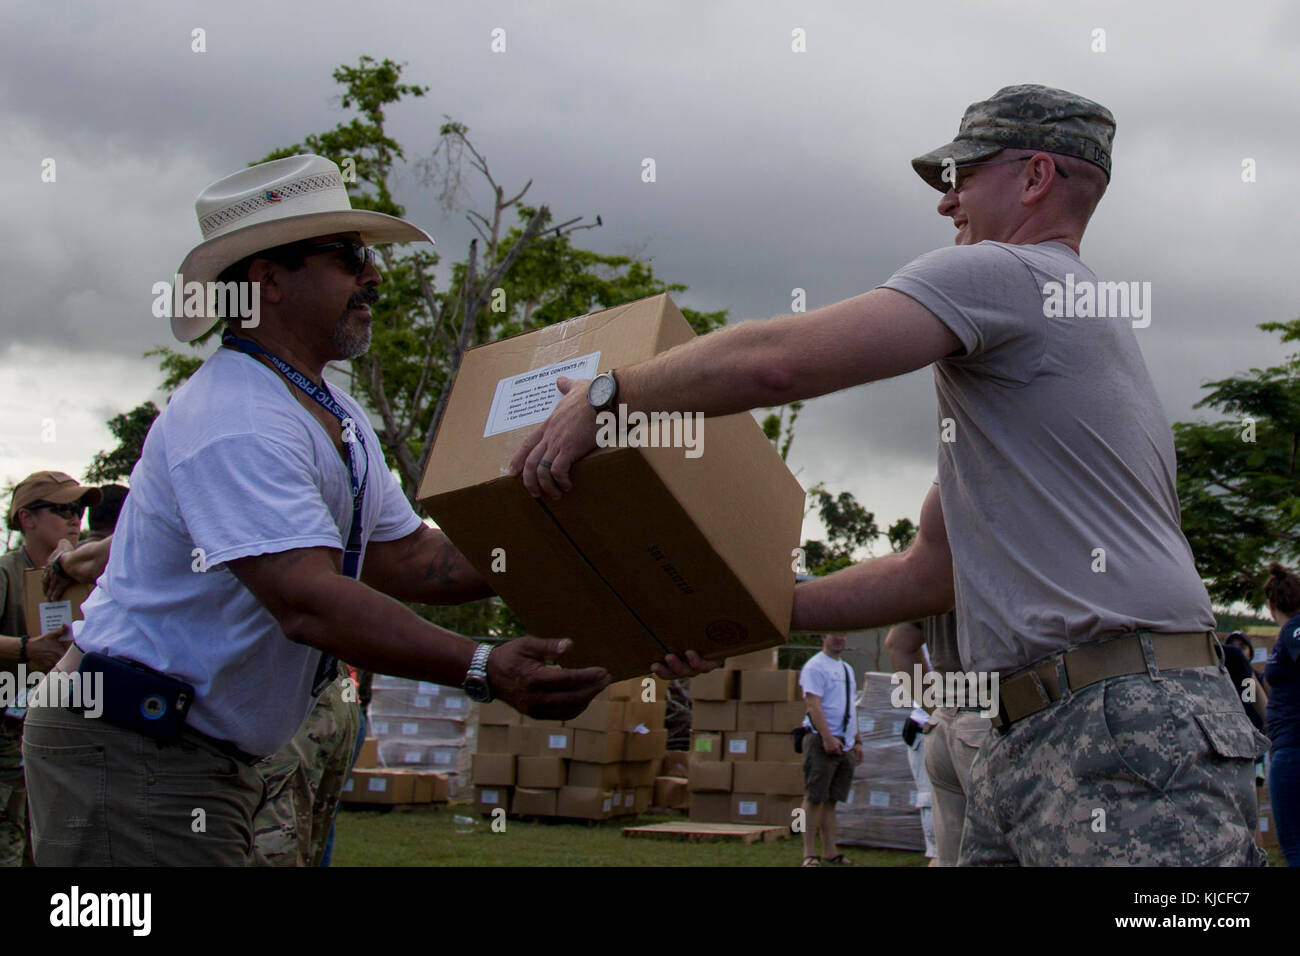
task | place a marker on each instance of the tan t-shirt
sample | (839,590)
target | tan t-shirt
(13,617)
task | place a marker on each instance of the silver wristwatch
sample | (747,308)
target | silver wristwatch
(476,683)
(602,391)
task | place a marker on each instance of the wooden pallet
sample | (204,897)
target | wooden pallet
(689,832)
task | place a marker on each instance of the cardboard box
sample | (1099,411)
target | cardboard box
(494,740)
(551,741)
(771,779)
(705,746)
(646,746)
(755,717)
(740,745)
(487,799)
(379,786)
(786,717)
(369,756)
(498,713)
(600,715)
(775,686)
(755,660)
(779,811)
(641,799)
(584,803)
(600,776)
(748,808)
(635,688)
(668,552)
(636,774)
(720,684)
(67,608)
(532,802)
(777,748)
(598,746)
(540,773)
(674,763)
(428,786)
(493,770)
(671,792)
(647,714)
(713,715)
(711,807)
(710,777)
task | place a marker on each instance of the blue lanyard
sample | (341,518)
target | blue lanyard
(320,394)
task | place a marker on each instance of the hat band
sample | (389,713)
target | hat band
(268,197)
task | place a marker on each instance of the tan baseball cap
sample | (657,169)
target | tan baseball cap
(53,486)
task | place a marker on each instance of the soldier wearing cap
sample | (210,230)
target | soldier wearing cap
(1055,525)
(47,508)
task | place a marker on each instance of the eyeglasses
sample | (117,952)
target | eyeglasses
(996,162)
(73,510)
(356,255)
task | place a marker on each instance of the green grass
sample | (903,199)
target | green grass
(429,837)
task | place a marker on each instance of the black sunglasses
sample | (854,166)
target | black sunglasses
(356,255)
(997,162)
(73,510)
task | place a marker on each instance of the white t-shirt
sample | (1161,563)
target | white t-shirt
(237,467)
(825,677)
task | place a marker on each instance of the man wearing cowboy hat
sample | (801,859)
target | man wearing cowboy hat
(1055,523)
(236,576)
(46,507)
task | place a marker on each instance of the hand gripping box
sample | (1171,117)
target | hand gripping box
(656,550)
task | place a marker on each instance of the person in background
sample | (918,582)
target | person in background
(1243,677)
(832,721)
(1283,672)
(103,516)
(46,508)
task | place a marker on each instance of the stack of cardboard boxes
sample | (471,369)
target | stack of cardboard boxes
(743,768)
(423,726)
(370,783)
(601,764)
(882,806)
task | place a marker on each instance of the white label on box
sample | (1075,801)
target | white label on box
(604,807)
(422,701)
(849,799)
(867,724)
(377,784)
(627,799)
(441,756)
(911,798)
(347,787)
(378,727)
(411,728)
(557,741)
(527,398)
(454,703)
(424,687)
(879,798)
(490,796)
(1263,824)
(898,727)
(738,746)
(748,808)
(411,756)
(55,614)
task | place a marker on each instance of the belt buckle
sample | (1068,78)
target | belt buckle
(1001,721)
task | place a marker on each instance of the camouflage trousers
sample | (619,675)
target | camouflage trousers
(1153,769)
(305,779)
(13,796)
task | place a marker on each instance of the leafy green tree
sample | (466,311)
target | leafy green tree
(901,534)
(1237,478)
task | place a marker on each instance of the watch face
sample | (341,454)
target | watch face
(476,689)
(601,391)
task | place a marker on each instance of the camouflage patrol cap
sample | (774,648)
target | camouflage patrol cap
(1027,116)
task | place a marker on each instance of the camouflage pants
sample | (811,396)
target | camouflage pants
(1140,770)
(305,779)
(13,795)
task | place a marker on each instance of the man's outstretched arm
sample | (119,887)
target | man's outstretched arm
(882,591)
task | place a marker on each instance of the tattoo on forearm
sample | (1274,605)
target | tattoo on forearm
(441,569)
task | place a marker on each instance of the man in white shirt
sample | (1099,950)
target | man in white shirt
(263,538)
(830,691)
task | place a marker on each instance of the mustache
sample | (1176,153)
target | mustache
(364,297)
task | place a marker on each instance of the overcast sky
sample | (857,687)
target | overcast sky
(775,169)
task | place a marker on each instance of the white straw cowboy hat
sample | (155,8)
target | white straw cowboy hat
(268,205)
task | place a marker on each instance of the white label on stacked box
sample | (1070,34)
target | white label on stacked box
(748,808)
(527,398)
(557,741)
(898,727)
(410,728)
(867,724)
(454,703)
(491,796)
(441,756)
(55,614)
(378,727)
(422,700)
(347,787)
(879,798)
(424,687)
(377,784)
(627,799)
(411,756)
(604,807)
(738,746)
